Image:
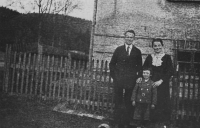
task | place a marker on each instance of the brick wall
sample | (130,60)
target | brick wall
(149,19)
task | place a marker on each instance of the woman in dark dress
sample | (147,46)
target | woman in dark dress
(162,68)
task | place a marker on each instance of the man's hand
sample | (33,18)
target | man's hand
(139,80)
(157,83)
(133,103)
(152,106)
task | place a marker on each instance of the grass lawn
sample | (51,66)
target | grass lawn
(20,112)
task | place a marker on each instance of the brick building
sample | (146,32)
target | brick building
(177,23)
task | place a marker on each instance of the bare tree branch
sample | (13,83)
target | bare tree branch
(47,6)
(10,4)
(50,6)
(36,2)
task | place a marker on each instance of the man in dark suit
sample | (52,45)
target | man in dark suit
(125,68)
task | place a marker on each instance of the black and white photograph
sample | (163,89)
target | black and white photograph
(100,64)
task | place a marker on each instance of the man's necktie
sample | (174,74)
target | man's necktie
(128,50)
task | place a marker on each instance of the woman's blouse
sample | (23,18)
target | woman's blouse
(161,66)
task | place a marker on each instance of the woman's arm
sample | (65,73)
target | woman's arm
(168,69)
(147,62)
(154,97)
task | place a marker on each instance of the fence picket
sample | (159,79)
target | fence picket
(193,93)
(67,78)
(175,96)
(78,85)
(18,73)
(187,103)
(51,77)
(42,75)
(73,81)
(64,68)
(5,69)
(183,95)
(100,86)
(13,75)
(85,78)
(95,84)
(8,61)
(55,78)
(105,85)
(33,73)
(27,73)
(89,82)
(37,73)
(112,99)
(47,70)
(60,77)
(23,69)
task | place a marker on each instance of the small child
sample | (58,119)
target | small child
(144,98)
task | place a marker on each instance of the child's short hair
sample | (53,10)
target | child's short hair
(149,69)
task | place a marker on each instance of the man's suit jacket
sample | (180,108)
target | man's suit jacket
(124,68)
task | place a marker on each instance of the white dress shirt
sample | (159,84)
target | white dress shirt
(130,48)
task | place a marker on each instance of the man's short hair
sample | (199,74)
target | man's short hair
(149,69)
(131,31)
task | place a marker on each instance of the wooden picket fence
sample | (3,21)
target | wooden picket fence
(58,77)
(187,95)
(75,81)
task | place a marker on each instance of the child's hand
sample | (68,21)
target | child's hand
(152,106)
(133,103)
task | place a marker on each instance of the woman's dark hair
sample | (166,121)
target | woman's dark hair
(149,69)
(131,31)
(157,40)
